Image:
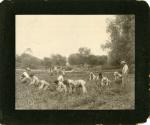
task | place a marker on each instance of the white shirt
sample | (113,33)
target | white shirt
(125,69)
(26,74)
(60,78)
(92,76)
(105,81)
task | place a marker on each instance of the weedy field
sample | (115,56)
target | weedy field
(97,98)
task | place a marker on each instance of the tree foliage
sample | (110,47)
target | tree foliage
(122,39)
(75,59)
(26,60)
(58,60)
(47,62)
(84,56)
(54,60)
(84,51)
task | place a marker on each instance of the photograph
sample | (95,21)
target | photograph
(75,62)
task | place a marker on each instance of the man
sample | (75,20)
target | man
(63,72)
(117,78)
(34,80)
(104,81)
(25,77)
(92,76)
(124,73)
(60,78)
(117,75)
(44,84)
(61,85)
(74,84)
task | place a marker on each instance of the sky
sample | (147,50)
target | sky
(60,34)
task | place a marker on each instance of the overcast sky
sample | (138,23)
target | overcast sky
(60,34)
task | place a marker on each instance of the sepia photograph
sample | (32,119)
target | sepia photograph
(75,62)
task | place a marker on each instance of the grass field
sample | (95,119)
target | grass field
(29,97)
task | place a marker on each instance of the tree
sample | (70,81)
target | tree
(28,51)
(84,51)
(47,62)
(78,59)
(97,60)
(58,60)
(85,57)
(27,60)
(75,59)
(122,39)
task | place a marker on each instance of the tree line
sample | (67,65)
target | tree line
(82,57)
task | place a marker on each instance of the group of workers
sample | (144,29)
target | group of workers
(67,85)
(118,77)
(29,77)
(70,85)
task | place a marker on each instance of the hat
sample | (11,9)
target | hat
(123,62)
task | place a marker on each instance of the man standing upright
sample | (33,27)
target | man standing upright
(124,73)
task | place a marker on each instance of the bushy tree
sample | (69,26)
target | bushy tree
(27,60)
(97,60)
(58,60)
(122,39)
(84,51)
(79,58)
(75,59)
(84,56)
(47,62)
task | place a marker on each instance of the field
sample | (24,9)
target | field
(97,98)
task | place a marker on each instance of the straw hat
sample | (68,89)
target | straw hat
(123,62)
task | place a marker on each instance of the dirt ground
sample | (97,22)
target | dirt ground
(97,98)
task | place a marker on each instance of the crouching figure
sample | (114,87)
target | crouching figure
(74,84)
(60,84)
(92,76)
(104,81)
(117,78)
(42,84)
(25,78)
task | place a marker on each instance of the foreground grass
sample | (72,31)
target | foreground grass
(29,97)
